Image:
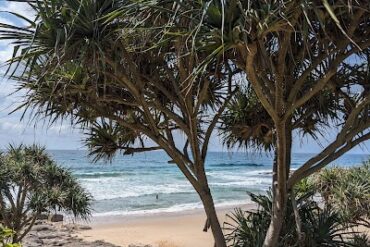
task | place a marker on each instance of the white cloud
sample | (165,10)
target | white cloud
(6,48)
(12,130)
(7,87)
(6,52)
(61,129)
(9,99)
(11,127)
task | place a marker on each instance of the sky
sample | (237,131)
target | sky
(13,130)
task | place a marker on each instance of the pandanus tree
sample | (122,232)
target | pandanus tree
(306,67)
(125,73)
(32,184)
(134,70)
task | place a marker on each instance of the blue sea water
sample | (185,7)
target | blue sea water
(130,185)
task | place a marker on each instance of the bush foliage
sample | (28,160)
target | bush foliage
(330,204)
(31,184)
(347,191)
(321,227)
(6,235)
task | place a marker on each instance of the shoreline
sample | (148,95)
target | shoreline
(175,229)
(170,210)
(97,220)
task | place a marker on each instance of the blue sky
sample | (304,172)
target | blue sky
(62,135)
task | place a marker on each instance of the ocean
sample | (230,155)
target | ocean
(147,184)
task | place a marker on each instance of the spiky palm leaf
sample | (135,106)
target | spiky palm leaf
(322,227)
(31,183)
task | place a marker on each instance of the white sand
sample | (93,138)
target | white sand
(182,229)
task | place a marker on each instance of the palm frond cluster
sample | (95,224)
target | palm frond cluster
(99,51)
(321,227)
(330,223)
(346,190)
(100,60)
(132,71)
(246,123)
(31,184)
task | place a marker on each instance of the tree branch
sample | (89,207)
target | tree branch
(321,83)
(329,158)
(298,221)
(28,229)
(130,150)
(214,122)
(342,45)
(173,116)
(346,134)
(256,83)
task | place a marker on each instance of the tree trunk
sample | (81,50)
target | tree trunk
(279,186)
(201,187)
(278,213)
(210,211)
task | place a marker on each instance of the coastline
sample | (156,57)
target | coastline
(180,229)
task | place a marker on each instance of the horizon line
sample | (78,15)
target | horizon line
(213,151)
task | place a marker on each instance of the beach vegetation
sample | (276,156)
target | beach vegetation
(133,86)
(332,204)
(31,184)
(133,71)
(320,225)
(346,191)
(306,70)
(360,240)
(6,235)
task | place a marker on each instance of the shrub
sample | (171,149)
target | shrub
(321,227)
(6,235)
(347,191)
(31,184)
(360,240)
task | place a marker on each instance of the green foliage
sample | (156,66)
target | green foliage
(305,186)
(130,70)
(246,123)
(247,228)
(111,60)
(321,227)
(346,197)
(6,235)
(360,240)
(347,191)
(31,183)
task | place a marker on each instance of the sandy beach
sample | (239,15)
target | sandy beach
(182,229)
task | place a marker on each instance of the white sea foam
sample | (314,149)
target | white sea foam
(130,182)
(114,190)
(106,188)
(172,209)
(242,179)
(244,183)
